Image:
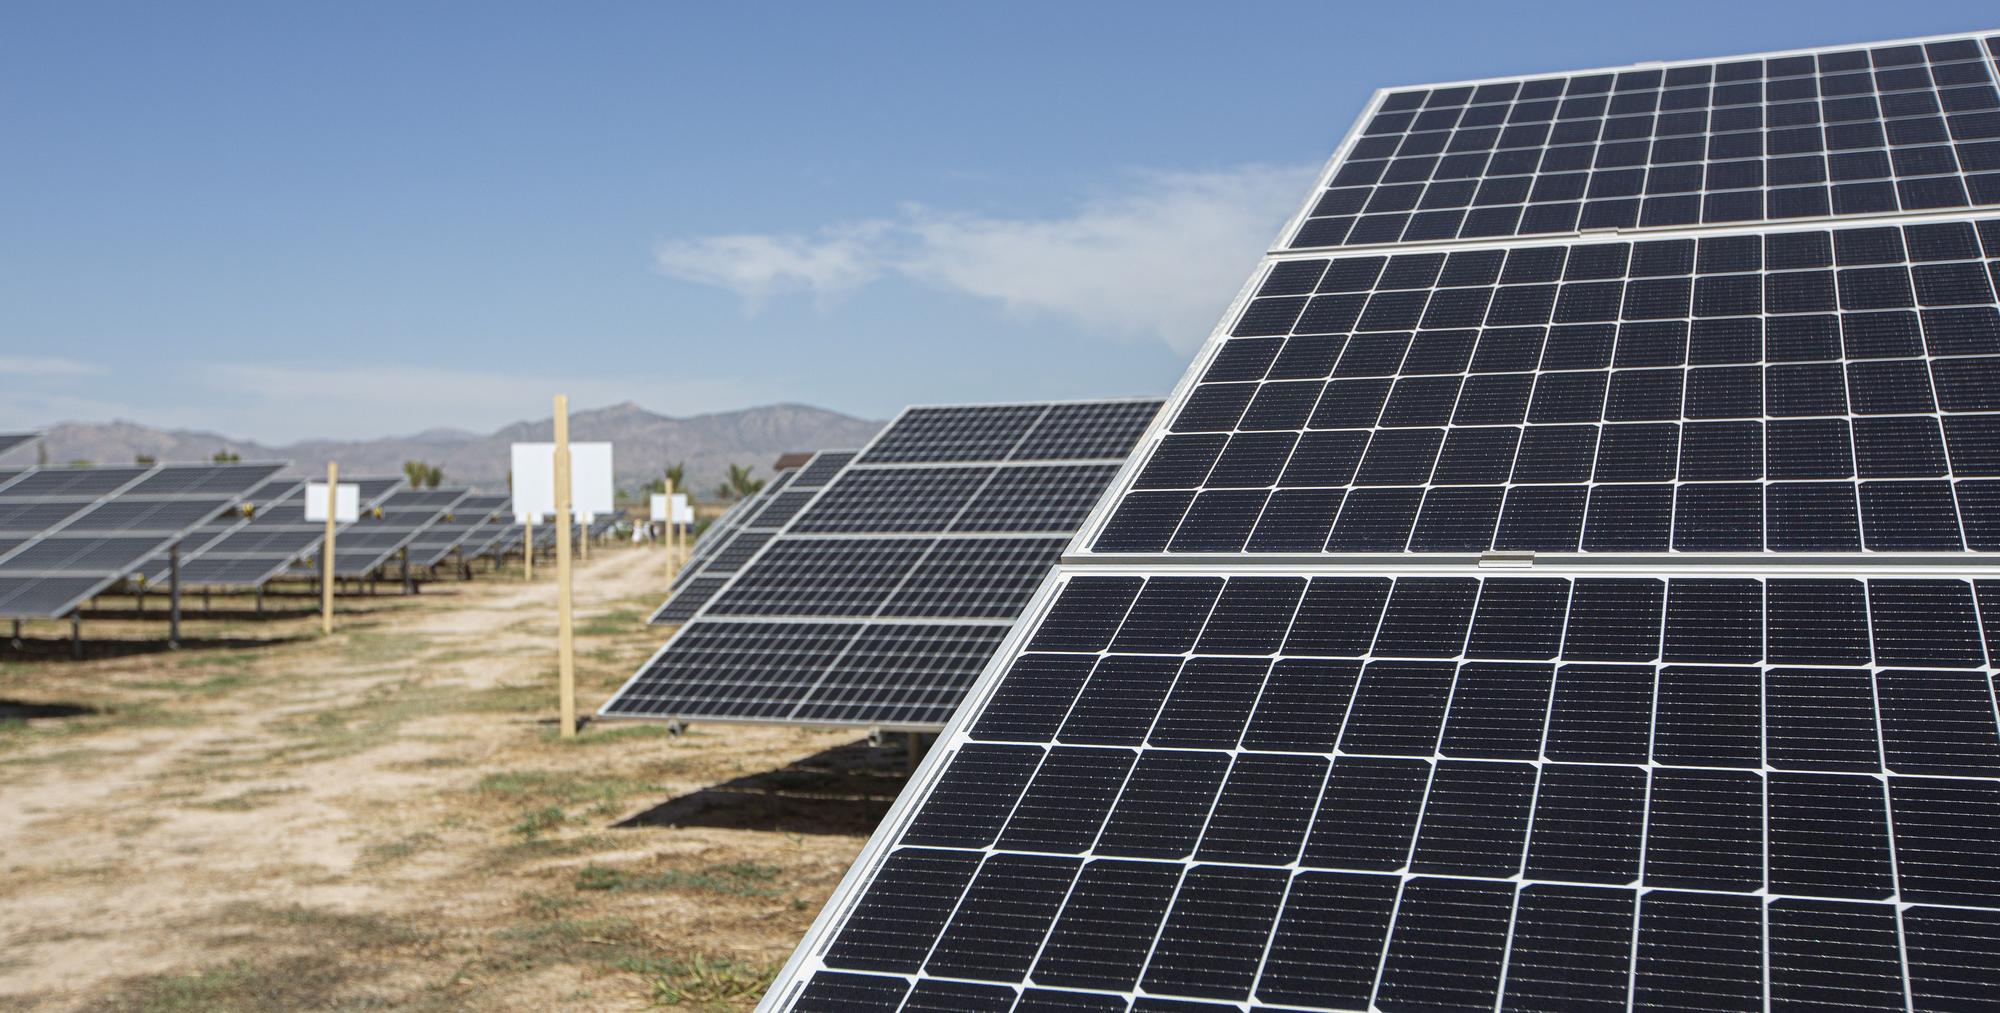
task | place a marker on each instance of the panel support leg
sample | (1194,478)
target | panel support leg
(174,597)
(76,635)
(409,585)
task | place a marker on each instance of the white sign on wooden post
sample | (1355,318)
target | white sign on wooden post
(590,483)
(682,510)
(347,502)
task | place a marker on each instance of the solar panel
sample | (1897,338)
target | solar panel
(9,441)
(1790,391)
(736,536)
(366,545)
(75,532)
(250,550)
(1309,790)
(1909,127)
(873,593)
(1279,734)
(822,468)
(434,544)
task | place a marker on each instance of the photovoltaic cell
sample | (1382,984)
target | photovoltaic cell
(1533,831)
(1860,132)
(935,537)
(1598,397)
(1343,782)
(73,533)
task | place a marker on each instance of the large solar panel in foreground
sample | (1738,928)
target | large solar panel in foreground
(1421,791)
(876,598)
(1283,734)
(1905,127)
(1804,390)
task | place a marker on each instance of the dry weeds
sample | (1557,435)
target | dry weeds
(387,820)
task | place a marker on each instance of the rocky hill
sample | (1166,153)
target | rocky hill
(643,444)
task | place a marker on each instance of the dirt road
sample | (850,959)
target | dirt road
(386,819)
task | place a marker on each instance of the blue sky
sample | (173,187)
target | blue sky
(281,221)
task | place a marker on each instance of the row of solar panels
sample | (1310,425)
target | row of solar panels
(1275,735)
(69,534)
(869,587)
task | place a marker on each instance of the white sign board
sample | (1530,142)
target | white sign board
(683,510)
(590,491)
(346,505)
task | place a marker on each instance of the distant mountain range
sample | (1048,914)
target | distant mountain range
(643,444)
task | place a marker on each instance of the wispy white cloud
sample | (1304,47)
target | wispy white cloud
(1158,260)
(45,365)
(760,266)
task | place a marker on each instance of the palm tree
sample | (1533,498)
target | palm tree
(675,473)
(740,484)
(422,475)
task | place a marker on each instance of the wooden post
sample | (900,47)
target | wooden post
(667,534)
(326,550)
(528,548)
(565,636)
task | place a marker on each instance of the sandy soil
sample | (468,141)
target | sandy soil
(385,819)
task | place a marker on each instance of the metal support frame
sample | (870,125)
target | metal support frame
(76,635)
(409,582)
(174,597)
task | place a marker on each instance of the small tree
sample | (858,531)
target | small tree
(226,457)
(677,474)
(740,484)
(422,475)
(147,460)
